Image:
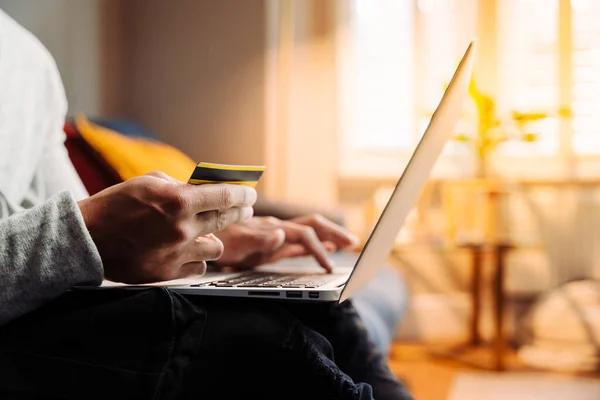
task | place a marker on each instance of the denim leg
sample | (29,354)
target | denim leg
(355,352)
(120,344)
(258,349)
(382,304)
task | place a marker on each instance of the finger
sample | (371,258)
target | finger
(295,250)
(246,244)
(266,241)
(286,251)
(289,251)
(306,236)
(329,231)
(204,248)
(329,246)
(187,270)
(259,244)
(202,198)
(217,220)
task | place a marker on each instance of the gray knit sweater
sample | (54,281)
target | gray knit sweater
(45,248)
(44,252)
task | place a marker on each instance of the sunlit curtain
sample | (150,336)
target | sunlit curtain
(301,101)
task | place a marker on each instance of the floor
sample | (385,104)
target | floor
(430,377)
(427,377)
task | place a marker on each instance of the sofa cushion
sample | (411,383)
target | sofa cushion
(134,156)
(93,171)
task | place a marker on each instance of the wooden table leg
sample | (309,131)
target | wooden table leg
(499,306)
(476,265)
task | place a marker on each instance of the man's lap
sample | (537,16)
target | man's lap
(65,348)
(155,344)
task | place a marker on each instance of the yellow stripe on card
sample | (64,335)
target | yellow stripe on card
(229,167)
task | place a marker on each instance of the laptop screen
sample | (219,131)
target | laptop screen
(415,175)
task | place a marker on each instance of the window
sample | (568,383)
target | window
(528,73)
(378,76)
(586,76)
(398,55)
(530,35)
(385,101)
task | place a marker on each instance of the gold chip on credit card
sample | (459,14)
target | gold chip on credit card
(225,173)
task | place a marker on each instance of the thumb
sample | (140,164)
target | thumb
(196,268)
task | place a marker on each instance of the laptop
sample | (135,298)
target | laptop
(302,279)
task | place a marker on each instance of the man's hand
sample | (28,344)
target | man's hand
(155,228)
(266,239)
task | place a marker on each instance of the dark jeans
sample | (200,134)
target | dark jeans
(156,344)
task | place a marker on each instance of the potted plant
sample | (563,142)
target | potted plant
(491,130)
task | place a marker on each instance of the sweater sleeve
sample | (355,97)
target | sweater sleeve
(44,252)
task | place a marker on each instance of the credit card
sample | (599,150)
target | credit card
(226,173)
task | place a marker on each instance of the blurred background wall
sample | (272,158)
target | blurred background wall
(71,30)
(195,71)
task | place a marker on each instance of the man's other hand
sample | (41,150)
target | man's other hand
(155,228)
(263,240)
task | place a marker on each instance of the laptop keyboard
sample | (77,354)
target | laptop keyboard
(275,280)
